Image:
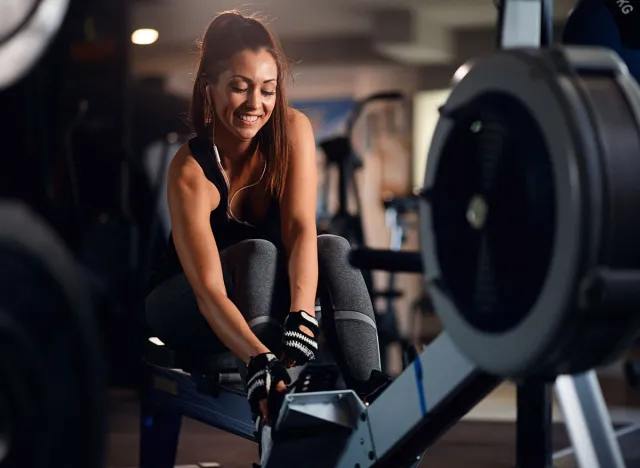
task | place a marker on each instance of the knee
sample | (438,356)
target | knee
(331,245)
(331,242)
(256,252)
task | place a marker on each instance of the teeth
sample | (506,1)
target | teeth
(248,118)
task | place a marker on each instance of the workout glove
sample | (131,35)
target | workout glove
(298,348)
(263,374)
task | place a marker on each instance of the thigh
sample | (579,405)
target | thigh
(173,315)
(257,283)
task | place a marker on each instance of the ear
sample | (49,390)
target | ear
(204,86)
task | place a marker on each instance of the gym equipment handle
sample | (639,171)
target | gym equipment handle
(386,260)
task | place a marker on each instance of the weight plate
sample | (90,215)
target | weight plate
(26,29)
(515,210)
(52,383)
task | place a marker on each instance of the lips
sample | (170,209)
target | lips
(248,119)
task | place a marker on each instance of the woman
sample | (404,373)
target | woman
(244,261)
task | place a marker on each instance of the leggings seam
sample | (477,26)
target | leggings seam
(354,319)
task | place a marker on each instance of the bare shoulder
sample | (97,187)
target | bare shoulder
(184,169)
(187,181)
(300,125)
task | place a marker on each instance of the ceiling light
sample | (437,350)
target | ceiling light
(144,36)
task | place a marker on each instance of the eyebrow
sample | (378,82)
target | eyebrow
(242,77)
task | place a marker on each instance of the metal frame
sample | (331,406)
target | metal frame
(176,391)
(588,422)
(521,23)
(534,430)
(429,397)
(171,394)
(336,429)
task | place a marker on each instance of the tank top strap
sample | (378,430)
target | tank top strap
(202,152)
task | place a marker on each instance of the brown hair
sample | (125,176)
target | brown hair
(231,32)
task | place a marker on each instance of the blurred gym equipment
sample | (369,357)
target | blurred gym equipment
(340,154)
(75,251)
(52,382)
(397,210)
(27,28)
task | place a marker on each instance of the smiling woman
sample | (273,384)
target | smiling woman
(241,74)
(244,95)
(249,177)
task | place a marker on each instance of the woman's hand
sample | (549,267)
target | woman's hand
(266,384)
(300,339)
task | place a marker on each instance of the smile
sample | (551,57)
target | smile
(249,119)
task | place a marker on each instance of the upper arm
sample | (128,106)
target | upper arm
(298,205)
(191,201)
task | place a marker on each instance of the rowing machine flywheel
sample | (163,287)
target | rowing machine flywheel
(530,207)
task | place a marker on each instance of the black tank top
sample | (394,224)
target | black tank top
(227,231)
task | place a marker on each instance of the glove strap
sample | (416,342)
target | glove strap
(259,376)
(299,340)
(264,372)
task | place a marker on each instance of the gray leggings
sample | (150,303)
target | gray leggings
(256,280)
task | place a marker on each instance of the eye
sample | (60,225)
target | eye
(269,93)
(239,90)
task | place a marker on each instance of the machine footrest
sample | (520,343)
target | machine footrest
(315,428)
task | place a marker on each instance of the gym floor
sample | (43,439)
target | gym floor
(484,439)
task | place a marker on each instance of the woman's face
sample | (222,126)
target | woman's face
(244,95)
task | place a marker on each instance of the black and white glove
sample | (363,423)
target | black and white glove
(264,372)
(298,348)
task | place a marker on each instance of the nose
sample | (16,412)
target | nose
(253,100)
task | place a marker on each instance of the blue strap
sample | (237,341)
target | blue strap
(417,367)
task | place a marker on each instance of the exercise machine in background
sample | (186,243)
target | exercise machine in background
(340,154)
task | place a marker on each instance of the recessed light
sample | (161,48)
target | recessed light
(144,36)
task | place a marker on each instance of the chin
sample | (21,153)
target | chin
(246,134)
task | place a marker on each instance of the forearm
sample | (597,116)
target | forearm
(303,270)
(230,326)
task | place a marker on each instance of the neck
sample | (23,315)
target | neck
(233,151)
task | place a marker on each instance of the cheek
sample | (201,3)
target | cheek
(270,105)
(234,101)
(227,103)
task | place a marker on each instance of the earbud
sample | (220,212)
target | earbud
(204,85)
(207,95)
